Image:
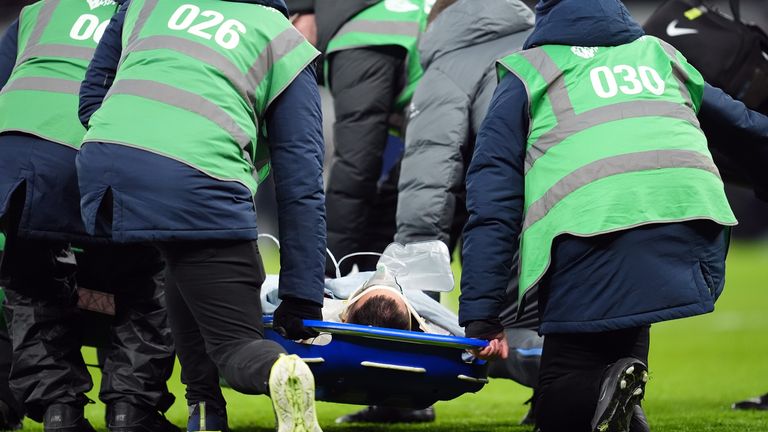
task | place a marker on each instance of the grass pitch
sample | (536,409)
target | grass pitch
(699,366)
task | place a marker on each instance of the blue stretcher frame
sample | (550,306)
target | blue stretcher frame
(379,366)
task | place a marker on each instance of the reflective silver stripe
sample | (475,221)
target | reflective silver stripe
(141,20)
(199,52)
(56,85)
(182,99)
(277,48)
(621,164)
(605,114)
(680,74)
(398,28)
(60,50)
(43,19)
(554,77)
(246,84)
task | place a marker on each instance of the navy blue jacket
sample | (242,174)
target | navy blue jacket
(294,152)
(8,51)
(495,185)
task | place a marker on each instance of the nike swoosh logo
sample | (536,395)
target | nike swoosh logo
(673,30)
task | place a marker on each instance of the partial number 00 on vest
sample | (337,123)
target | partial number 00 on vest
(634,80)
(227,33)
(88,26)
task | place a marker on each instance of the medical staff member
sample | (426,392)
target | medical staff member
(43,58)
(372,68)
(458,52)
(592,165)
(187,103)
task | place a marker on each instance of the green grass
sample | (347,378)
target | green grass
(699,366)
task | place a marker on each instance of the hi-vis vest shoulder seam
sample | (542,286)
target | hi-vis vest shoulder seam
(568,122)
(51,82)
(246,83)
(34,48)
(587,171)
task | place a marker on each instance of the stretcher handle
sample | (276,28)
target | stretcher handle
(391,334)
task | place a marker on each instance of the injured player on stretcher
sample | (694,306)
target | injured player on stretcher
(391,297)
(394,297)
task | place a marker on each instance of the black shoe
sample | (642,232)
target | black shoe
(529,419)
(759,403)
(65,418)
(639,423)
(381,414)
(9,420)
(203,418)
(622,388)
(124,417)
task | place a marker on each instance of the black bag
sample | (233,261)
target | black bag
(731,54)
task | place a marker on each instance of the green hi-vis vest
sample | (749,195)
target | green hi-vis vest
(614,143)
(389,22)
(195,82)
(2,242)
(56,41)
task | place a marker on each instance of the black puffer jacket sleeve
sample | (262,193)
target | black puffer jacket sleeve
(8,51)
(301,6)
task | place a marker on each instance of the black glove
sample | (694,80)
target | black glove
(484,329)
(289,316)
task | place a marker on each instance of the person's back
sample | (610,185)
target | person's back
(372,68)
(156,72)
(603,94)
(592,154)
(44,58)
(660,173)
(458,53)
(207,93)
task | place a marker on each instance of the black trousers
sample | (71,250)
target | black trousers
(43,319)
(572,367)
(212,291)
(6,357)
(361,212)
